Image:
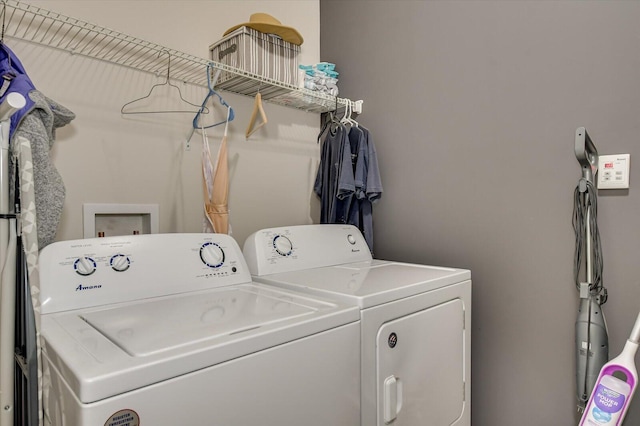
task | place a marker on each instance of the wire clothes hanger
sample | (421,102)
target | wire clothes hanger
(168,83)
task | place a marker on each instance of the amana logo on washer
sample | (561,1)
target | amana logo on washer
(88,287)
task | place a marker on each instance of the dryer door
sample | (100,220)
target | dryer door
(420,368)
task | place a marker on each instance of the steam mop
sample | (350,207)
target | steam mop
(592,341)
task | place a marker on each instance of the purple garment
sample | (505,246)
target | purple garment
(14,79)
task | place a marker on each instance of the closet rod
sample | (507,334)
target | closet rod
(34,24)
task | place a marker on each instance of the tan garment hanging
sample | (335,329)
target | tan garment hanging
(215,185)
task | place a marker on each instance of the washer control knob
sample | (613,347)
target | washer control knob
(120,262)
(282,245)
(351,239)
(212,255)
(84,266)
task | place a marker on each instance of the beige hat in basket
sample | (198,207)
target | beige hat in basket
(266,23)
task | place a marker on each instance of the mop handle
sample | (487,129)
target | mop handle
(635,333)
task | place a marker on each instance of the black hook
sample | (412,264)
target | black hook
(169,63)
(4,17)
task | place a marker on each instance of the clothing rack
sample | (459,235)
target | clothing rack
(37,25)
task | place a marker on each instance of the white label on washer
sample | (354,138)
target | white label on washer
(123,418)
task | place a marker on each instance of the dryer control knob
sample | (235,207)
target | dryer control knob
(282,245)
(212,255)
(84,266)
(120,262)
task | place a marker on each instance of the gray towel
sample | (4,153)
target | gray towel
(39,127)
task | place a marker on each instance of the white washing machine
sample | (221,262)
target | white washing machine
(415,319)
(170,330)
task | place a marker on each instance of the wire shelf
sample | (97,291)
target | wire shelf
(37,25)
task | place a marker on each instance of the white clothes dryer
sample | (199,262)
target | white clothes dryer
(415,319)
(171,330)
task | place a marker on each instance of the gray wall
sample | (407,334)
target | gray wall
(473,106)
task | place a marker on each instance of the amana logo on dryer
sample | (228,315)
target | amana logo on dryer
(88,287)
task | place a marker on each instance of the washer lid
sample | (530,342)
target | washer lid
(368,283)
(110,350)
(149,328)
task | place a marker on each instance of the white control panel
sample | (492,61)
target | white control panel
(295,248)
(613,171)
(100,271)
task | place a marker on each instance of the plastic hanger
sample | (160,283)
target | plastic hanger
(257,107)
(167,82)
(210,85)
(346,119)
(203,109)
(332,120)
